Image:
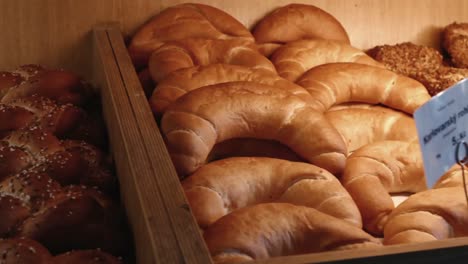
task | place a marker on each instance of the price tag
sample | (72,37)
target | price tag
(442,123)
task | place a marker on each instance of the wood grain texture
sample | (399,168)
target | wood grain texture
(57,32)
(164,181)
(153,234)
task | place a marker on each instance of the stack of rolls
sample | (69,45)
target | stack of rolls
(284,143)
(57,187)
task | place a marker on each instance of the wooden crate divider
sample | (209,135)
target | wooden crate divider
(163,226)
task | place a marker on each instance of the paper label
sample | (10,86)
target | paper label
(442,123)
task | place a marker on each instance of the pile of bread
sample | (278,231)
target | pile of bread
(58,194)
(287,139)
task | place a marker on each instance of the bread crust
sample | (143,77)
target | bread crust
(295,58)
(212,114)
(279,229)
(295,22)
(220,187)
(337,83)
(188,20)
(191,52)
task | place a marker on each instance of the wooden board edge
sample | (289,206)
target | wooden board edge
(440,251)
(185,227)
(153,236)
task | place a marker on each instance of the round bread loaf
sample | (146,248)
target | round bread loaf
(182,21)
(279,229)
(191,52)
(336,83)
(295,22)
(295,58)
(211,114)
(220,187)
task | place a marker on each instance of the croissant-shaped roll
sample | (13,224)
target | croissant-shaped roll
(212,114)
(220,187)
(296,58)
(378,169)
(279,229)
(426,216)
(337,83)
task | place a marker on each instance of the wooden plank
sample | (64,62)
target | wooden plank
(441,251)
(185,227)
(154,238)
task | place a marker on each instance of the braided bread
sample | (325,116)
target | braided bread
(191,52)
(61,218)
(295,22)
(68,162)
(375,170)
(25,251)
(337,83)
(426,216)
(211,114)
(220,187)
(295,58)
(184,21)
(59,85)
(279,229)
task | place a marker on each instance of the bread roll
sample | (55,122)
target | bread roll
(212,114)
(22,250)
(182,81)
(360,126)
(182,21)
(376,170)
(295,58)
(295,22)
(192,52)
(86,256)
(278,229)
(337,83)
(453,177)
(220,187)
(430,215)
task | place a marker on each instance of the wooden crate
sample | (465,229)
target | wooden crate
(58,33)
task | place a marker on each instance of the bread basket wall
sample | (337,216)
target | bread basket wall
(59,34)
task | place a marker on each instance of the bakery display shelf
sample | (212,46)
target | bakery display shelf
(191,245)
(163,227)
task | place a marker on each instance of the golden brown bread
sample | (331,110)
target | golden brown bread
(365,124)
(430,215)
(295,58)
(68,162)
(424,64)
(28,251)
(455,42)
(64,87)
(453,177)
(376,170)
(337,83)
(188,20)
(211,114)
(295,22)
(178,83)
(23,251)
(187,53)
(220,187)
(279,229)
